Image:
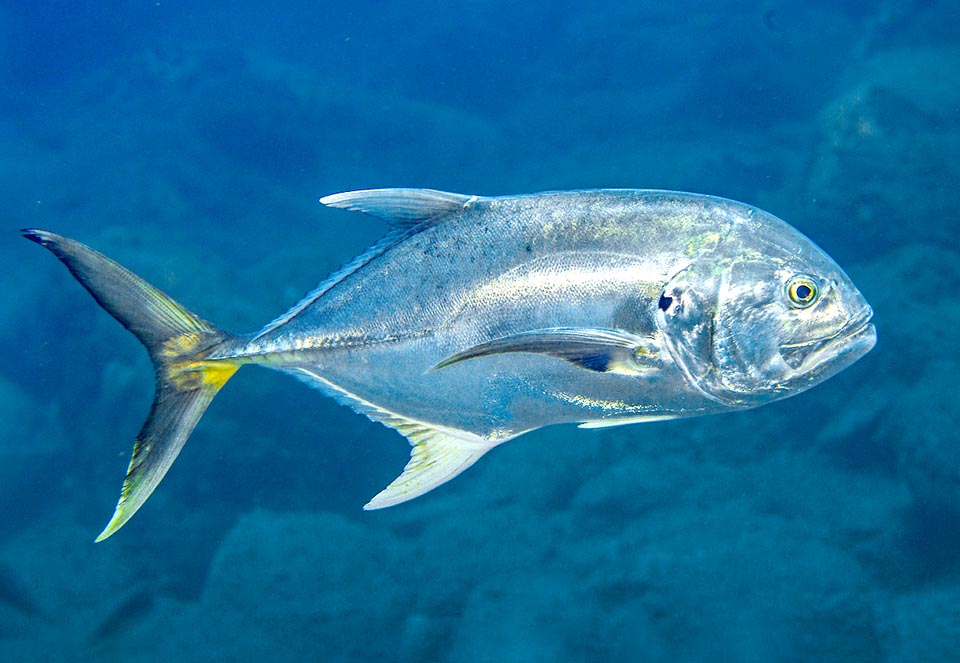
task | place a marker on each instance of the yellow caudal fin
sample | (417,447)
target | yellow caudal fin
(179,344)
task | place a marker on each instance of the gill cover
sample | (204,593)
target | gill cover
(685,317)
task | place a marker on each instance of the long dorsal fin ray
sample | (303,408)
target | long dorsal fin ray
(437,453)
(400,207)
(408,211)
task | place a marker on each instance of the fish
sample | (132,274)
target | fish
(477,319)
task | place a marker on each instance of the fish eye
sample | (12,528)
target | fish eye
(803,291)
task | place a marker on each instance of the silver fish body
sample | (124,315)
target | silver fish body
(498,268)
(478,319)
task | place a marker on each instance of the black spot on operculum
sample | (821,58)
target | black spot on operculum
(665,302)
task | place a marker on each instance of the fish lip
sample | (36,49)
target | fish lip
(856,337)
(851,328)
(858,324)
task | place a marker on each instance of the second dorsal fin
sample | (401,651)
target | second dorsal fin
(400,207)
(408,211)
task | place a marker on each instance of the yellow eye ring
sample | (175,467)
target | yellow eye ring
(803,291)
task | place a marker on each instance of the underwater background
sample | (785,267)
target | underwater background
(190,142)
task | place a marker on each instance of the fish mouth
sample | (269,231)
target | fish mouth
(853,340)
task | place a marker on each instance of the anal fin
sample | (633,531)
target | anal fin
(436,456)
(437,453)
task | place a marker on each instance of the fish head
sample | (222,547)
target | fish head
(767,314)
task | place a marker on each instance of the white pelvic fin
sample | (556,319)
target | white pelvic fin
(436,457)
(610,423)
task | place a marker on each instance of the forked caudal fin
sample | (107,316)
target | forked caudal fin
(179,343)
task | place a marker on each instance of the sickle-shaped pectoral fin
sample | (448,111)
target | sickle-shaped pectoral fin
(595,349)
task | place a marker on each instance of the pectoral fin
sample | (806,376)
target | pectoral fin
(595,349)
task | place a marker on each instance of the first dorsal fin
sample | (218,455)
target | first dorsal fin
(400,207)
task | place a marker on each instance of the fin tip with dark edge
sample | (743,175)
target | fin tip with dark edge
(35,235)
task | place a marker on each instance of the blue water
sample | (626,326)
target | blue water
(190,141)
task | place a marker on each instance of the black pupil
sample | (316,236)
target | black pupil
(804,292)
(665,302)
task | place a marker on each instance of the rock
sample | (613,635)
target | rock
(311,585)
(885,163)
(922,626)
